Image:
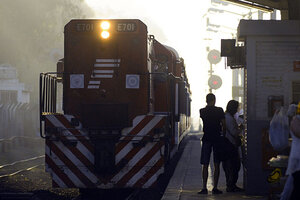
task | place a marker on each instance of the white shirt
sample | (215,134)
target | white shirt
(237,117)
(232,129)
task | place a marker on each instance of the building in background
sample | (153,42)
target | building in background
(19,117)
(11,90)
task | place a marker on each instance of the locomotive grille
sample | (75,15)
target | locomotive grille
(105,116)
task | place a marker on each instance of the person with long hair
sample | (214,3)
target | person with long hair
(233,164)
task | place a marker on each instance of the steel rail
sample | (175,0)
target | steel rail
(17,171)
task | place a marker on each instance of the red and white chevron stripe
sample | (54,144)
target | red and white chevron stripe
(72,166)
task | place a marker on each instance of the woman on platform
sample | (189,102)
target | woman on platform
(232,166)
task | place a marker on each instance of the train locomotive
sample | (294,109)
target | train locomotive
(125,106)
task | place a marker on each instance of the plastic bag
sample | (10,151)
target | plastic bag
(279,131)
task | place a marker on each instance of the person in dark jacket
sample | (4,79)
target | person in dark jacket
(233,164)
(213,124)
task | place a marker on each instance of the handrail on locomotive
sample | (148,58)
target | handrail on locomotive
(48,93)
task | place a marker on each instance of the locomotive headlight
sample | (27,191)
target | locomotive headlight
(105,25)
(105,34)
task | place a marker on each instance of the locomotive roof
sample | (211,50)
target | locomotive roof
(174,51)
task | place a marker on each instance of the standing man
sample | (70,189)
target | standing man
(213,125)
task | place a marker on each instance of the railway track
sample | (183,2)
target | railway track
(21,166)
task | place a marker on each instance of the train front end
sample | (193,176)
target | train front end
(107,135)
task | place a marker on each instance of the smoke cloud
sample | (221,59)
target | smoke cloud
(31,35)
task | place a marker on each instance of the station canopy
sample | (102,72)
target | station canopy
(272,4)
(290,9)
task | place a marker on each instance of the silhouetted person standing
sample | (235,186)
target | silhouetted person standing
(213,125)
(232,165)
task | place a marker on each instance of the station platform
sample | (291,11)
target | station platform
(187,178)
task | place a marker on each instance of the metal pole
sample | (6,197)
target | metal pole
(210,74)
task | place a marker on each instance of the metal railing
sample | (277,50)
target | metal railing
(48,95)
